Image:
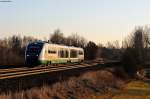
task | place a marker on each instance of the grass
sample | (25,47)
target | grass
(133,90)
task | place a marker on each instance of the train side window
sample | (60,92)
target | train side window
(80,53)
(73,54)
(61,54)
(51,51)
(67,54)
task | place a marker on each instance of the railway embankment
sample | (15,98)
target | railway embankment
(26,79)
(79,84)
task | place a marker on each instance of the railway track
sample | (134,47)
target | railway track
(20,72)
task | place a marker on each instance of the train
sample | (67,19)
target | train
(45,53)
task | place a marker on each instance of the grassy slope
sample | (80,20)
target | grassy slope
(91,85)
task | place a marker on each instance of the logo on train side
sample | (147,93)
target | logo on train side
(5,1)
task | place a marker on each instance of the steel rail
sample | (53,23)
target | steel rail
(40,71)
(3,71)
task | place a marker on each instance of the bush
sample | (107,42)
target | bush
(129,62)
(91,50)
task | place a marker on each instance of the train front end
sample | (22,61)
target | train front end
(32,53)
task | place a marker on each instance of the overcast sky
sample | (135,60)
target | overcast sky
(96,20)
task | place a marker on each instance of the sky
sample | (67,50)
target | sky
(96,20)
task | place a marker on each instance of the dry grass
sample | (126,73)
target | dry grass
(133,90)
(91,85)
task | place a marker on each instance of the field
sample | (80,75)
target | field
(133,90)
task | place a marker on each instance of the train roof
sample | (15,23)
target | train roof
(57,45)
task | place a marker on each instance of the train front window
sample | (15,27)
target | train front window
(34,49)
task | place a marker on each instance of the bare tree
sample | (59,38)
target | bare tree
(76,40)
(113,44)
(109,45)
(57,37)
(136,49)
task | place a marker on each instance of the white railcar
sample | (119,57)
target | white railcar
(47,53)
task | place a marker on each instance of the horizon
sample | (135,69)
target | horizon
(97,20)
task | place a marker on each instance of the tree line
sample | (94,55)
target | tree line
(133,54)
(12,49)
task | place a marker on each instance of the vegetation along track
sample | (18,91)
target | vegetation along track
(20,72)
